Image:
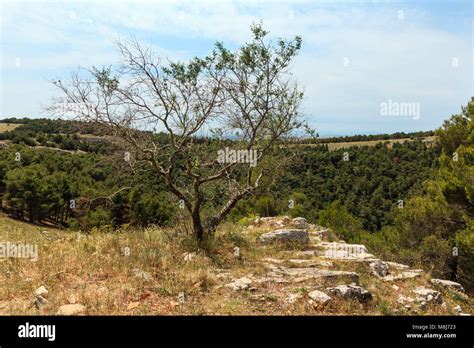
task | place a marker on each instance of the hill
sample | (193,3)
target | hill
(137,271)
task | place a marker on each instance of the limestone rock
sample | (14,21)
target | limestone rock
(40,302)
(278,273)
(401,276)
(344,251)
(428,295)
(397,265)
(41,291)
(71,309)
(319,296)
(299,222)
(310,263)
(240,284)
(285,236)
(379,268)
(351,291)
(447,284)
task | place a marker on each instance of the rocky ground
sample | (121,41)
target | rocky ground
(275,266)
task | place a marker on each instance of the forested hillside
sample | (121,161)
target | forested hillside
(40,185)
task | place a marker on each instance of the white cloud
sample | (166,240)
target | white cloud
(388,58)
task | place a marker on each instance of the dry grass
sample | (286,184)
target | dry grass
(96,270)
(5,127)
(342,145)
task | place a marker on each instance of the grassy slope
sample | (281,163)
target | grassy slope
(4,127)
(95,270)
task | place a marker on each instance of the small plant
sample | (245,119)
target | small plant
(384,308)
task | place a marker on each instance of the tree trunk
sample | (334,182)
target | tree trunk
(197,225)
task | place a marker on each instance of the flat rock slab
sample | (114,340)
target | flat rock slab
(402,275)
(344,251)
(396,265)
(447,284)
(285,236)
(428,295)
(349,291)
(310,263)
(300,262)
(280,273)
(71,309)
(240,284)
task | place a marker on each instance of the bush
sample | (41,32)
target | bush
(465,245)
(341,221)
(96,218)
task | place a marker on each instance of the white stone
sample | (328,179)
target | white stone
(397,265)
(41,291)
(401,276)
(71,309)
(351,291)
(240,284)
(428,295)
(40,301)
(379,268)
(319,296)
(448,284)
(299,222)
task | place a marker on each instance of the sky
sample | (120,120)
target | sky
(367,67)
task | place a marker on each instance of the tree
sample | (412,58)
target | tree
(247,95)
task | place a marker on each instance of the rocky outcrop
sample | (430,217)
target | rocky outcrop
(447,284)
(272,221)
(350,291)
(428,295)
(285,236)
(379,268)
(402,275)
(284,274)
(344,251)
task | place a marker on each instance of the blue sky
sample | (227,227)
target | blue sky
(356,55)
